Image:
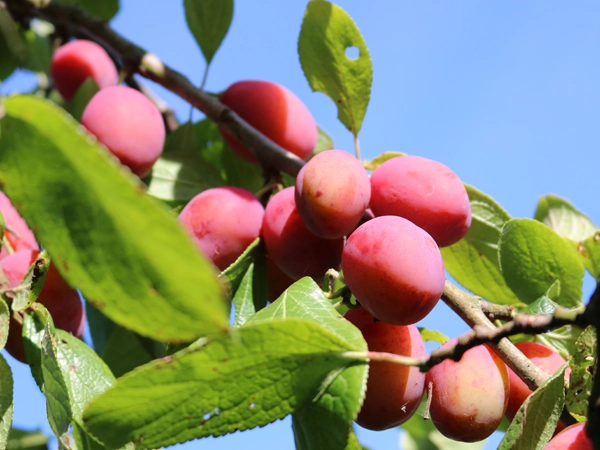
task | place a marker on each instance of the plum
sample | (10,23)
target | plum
(275,112)
(393,391)
(332,193)
(76,61)
(128,124)
(61,300)
(394,268)
(469,397)
(296,250)
(574,437)
(223,222)
(17,233)
(425,192)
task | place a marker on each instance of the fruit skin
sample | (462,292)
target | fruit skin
(128,124)
(332,193)
(393,391)
(469,397)
(62,301)
(425,192)
(223,222)
(573,437)
(274,111)
(394,268)
(277,280)
(543,357)
(76,61)
(296,250)
(25,239)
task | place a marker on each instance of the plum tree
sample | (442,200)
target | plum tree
(223,221)
(274,111)
(543,357)
(61,300)
(573,437)
(17,234)
(78,60)
(332,193)
(424,191)
(296,250)
(468,397)
(128,124)
(394,268)
(393,391)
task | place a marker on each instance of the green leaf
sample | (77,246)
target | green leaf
(473,261)
(8,62)
(380,159)
(535,422)
(533,257)
(6,401)
(562,217)
(234,170)
(82,97)
(103,9)
(233,381)
(326,423)
(30,288)
(544,304)
(583,366)
(181,172)
(85,374)
(589,251)
(26,440)
(4,323)
(327,33)
(433,335)
(39,48)
(421,434)
(124,351)
(209,21)
(247,280)
(34,324)
(83,440)
(55,388)
(324,141)
(13,41)
(126,253)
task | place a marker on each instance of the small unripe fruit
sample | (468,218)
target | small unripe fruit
(393,391)
(20,237)
(61,300)
(296,250)
(332,193)
(223,222)
(543,357)
(394,268)
(469,397)
(76,61)
(573,437)
(425,192)
(128,124)
(275,112)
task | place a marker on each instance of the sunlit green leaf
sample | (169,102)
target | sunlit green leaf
(248,377)
(336,61)
(209,21)
(583,366)
(26,440)
(30,288)
(535,422)
(380,159)
(324,141)
(126,253)
(4,322)
(473,261)
(562,339)
(326,423)
(433,335)
(563,218)
(589,251)
(533,257)
(6,401)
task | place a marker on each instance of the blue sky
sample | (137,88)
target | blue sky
(504,93)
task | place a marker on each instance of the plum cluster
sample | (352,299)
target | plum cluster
(19,251)
(121,118)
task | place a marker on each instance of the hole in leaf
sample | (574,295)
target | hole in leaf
(352,52)
(206,416)
(252,405)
